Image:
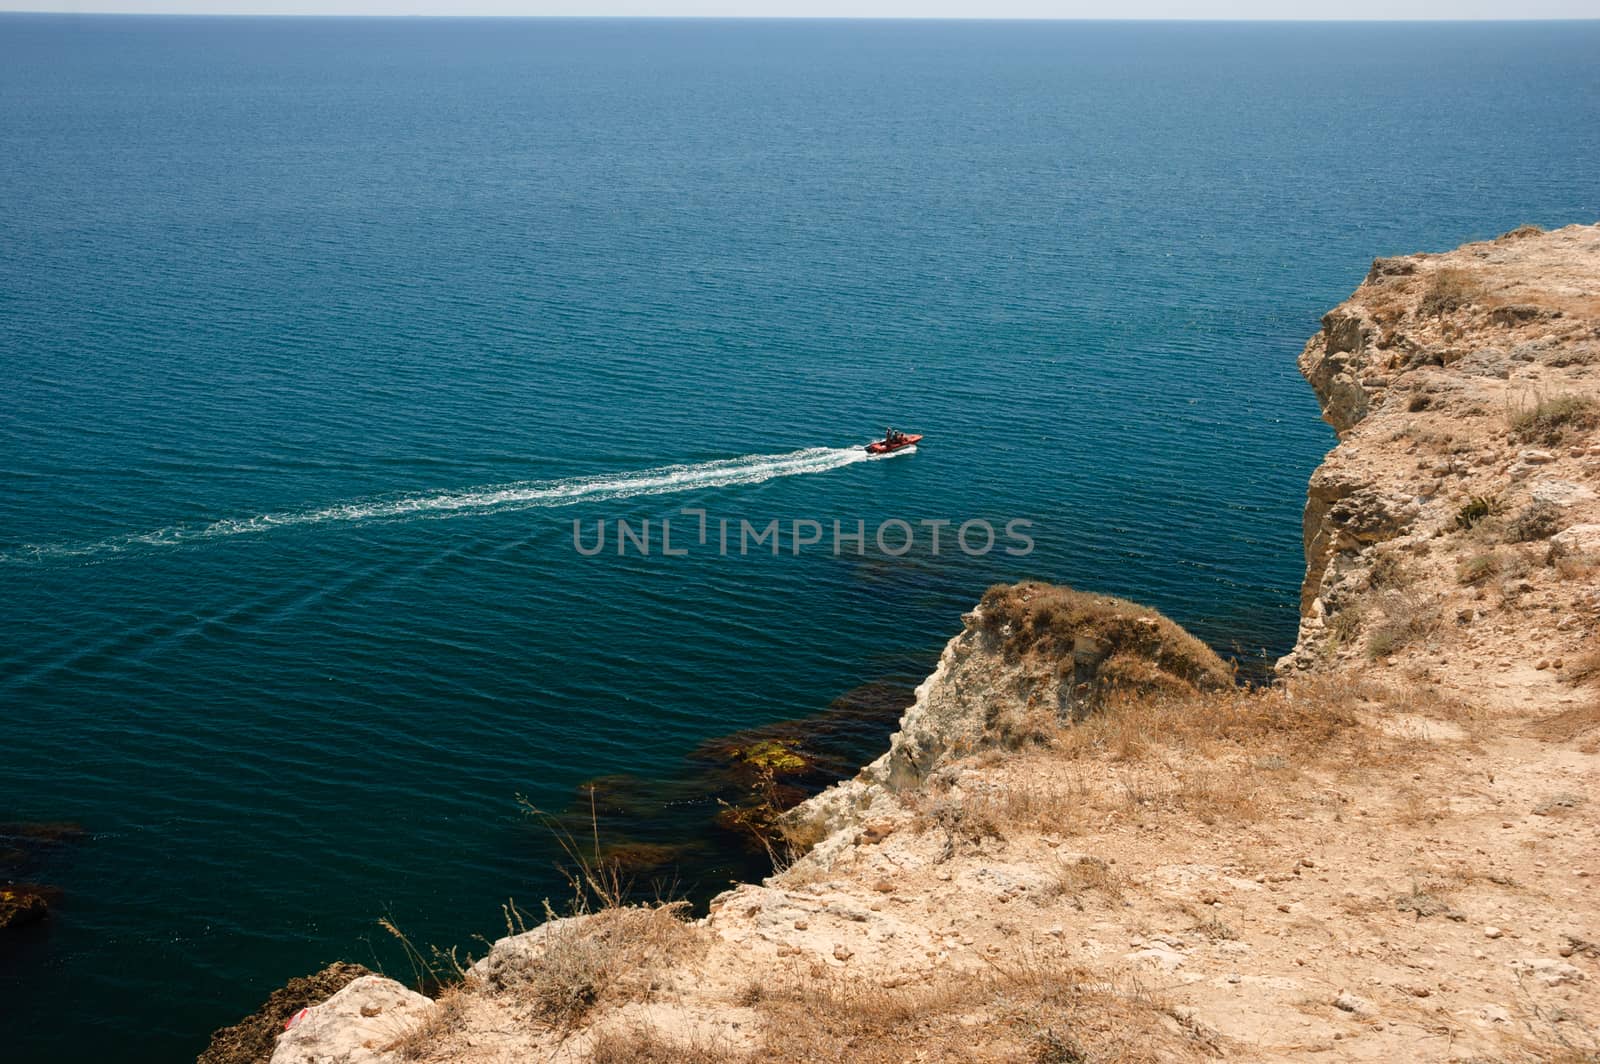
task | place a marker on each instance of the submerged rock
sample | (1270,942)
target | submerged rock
(20,906)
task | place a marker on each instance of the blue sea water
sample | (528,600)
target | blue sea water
(317,335)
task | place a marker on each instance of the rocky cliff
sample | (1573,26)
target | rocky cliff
(1463,389)
(1086,843)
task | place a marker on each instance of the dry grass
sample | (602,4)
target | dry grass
(424,1040)
(1478,568)
(965,824)
(1450,289)
(1218,757)
(1081,875)
(1405,618)
(1551,420)
(1415,808)
(645,1045)
(611,956)
(1029,1007)
(1568,724)
(1300,720)
(1570,567)
(1106,644)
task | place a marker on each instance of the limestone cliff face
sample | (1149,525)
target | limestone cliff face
(1028,657)
(1457,382)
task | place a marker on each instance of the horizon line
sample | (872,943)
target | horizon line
(395,15)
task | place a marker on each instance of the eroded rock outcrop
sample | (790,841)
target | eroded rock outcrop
(252,1039)
(1029,657)
(1465,388)
(367,1021)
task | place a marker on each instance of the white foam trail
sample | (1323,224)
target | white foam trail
(489,499)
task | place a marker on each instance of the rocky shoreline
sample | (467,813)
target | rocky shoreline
(1086,843)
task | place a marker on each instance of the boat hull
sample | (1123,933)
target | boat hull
(885,447)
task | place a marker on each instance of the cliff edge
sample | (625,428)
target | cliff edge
(1086,843)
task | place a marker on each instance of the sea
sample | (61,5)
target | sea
(319,337)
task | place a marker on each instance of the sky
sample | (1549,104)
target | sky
(1046,9)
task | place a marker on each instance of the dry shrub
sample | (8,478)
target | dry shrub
(610,957)
(1344,624)
(1476,509)
(1537,520)
(1449,289)
(1478,568)
(1389,572)
(1550,420)
(965,824)
(1406,617)
(1077,876)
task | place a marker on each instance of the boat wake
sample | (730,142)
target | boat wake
(488,499)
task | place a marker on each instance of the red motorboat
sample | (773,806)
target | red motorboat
(894,441)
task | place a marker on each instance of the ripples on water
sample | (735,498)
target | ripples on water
(313,280)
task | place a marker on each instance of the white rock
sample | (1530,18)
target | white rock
(1547,970)
(1158,957)
(1559,492)
(1356,1006)
(355,1025)
(1579,539)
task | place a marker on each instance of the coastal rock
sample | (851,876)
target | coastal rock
(510,957)
(1343,515)
(252,1039)
(1031,656)
(358,1025)
(1454,445)
(1334,362)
